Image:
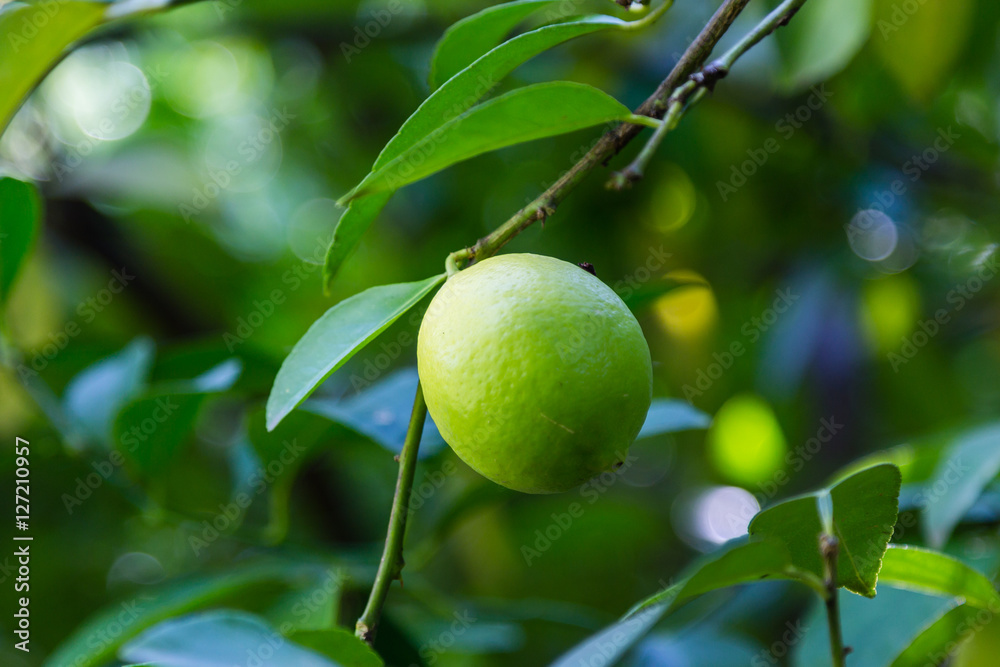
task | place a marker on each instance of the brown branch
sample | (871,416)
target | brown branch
(612,142)
(691,60)
(688,93)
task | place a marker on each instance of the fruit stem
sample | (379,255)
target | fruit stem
(829,546)
(649,18)
(391,565)
(451,263)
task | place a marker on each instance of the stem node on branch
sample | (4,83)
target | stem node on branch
(614,140)
(709,75)
(622,180)
(698,82)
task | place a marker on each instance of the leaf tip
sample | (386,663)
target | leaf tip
(273,414)
(329,271)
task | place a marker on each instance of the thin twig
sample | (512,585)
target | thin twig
(687,94)
(613,141)
(391,564)
(829,547)
(649,18)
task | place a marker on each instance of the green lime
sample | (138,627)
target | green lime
(534,371)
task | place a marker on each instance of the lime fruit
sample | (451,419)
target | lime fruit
(534,371)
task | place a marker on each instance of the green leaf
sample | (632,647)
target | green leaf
(474,35)
(94,396)
(510,119)
(336,337)
(968,464)
(463,90)
(20,210)
(27,53)
(739,564)
(341,645)
(308,609)
(864,508)
(217,639)
(916,460)
(670,416)
(939,637)
(936,573)
(901,456)
(50,406)
(614,641)
(458,94)
(471,633)
(82,649)
(877,629)
(700,646)
(149,430)
(920,45)
(382,413)
(822,38)
(351,226)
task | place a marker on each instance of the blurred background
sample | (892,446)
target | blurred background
(811,256)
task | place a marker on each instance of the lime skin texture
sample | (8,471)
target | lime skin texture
(535,372)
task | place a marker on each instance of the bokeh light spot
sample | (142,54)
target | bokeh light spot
(872,235)
(244,153)
(203,81)
(688,313)
(889,307)
(98,94)
(708,517)
(745,441)
(673,201)
(136,567)
(944,231)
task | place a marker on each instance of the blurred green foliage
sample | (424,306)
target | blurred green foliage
(817,241)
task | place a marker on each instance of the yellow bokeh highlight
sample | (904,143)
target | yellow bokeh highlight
(673,201)
(34,312)
(889,308)
(983,646)
(15,406)
(687,313)
(745,442)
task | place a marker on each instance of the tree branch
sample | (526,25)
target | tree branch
(656,106)
(692,90)
(612,142)
(391,565)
